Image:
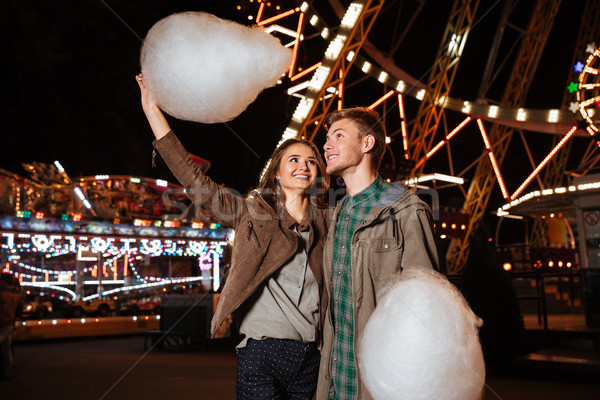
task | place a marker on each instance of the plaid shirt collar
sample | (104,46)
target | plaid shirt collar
(365,194)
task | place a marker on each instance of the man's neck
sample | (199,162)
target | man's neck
(358,179)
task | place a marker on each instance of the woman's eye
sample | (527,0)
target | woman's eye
(293,159)
(312,162)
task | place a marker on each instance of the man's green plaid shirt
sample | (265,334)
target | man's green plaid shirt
(354,210)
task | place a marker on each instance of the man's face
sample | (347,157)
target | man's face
(343,148)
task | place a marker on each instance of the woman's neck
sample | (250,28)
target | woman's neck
(296,205)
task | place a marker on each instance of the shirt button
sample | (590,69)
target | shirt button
(343,246)
(346,218)
(335,359)
(387,246)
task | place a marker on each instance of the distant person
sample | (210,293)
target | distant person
(378,230)
(11,305)
(275,282)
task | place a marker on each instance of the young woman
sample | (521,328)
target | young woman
(275,282)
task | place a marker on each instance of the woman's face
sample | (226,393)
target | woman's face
(298,168)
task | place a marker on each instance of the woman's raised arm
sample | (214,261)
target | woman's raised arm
(155,116)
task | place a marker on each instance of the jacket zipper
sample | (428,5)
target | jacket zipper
(252,232)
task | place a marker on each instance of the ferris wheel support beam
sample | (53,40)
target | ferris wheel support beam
(440,80)
(480,190)
(339,56)
(589,31)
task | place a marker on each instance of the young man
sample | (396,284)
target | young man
(378,229)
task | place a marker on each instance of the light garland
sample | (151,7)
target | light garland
(162,282)
(503,211)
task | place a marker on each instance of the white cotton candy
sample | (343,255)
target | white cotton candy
(205,69)
(422,343)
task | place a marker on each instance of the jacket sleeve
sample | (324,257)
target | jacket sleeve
(224,206)
(419,241)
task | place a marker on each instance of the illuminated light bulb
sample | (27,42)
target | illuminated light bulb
(551,215)
(507,266)
(551,264)
(382,77)
(325,33)
(553,116)
(442,236)
(134,318)
(521,115)
(83,320)
(39,322)
(493,111)
(388,140)
(569,264)
(350,56)
(421,94)
(366,67)
(351,15)
(401,86)
(560,263)
(443,225)
(54,322)
(453,226)
(59,167)
(304,6)
(463,227)
(313,20)
(335,47)
(466,107)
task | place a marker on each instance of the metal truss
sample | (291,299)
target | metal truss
(338,59)
(440,81)
(525,65)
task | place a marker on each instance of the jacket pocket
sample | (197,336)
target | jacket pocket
(384,245)
(384,256)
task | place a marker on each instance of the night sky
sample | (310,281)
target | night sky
(69,94)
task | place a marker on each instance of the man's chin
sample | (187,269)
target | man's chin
(332,170)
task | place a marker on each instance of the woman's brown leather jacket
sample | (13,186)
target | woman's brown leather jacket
(263,240)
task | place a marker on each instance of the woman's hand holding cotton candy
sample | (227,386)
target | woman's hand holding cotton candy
(158,123)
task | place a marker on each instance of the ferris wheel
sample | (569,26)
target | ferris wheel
(423,117)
